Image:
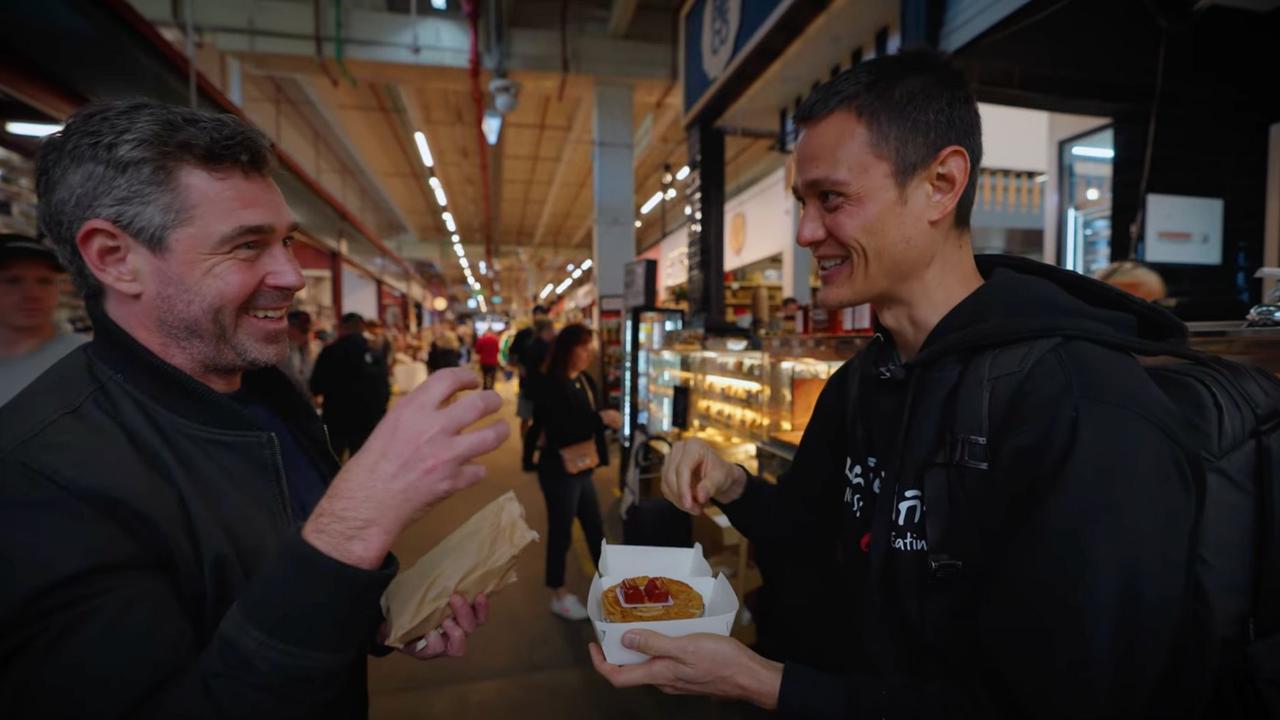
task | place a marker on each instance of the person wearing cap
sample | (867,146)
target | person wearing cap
(30,341)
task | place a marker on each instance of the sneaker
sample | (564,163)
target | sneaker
(569,607)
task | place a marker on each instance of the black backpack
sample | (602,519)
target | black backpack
(1232,420)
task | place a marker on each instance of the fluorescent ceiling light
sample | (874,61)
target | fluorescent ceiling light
(440,198)
(671,193)
(482,268)
(471,303)
(448,221)
(440,4)
(564,285)
(491,126)
(546,290)
(1092,152)
(464,262)
(568,268)
(586,264)
(434,182)
(1092,194)
(637,223)
(682,173)
(458,249)
(31,129)
(688,210)
(456,238)
(577,273)
(423,149)
(651,203)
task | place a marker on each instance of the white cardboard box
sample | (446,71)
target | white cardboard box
(688,565)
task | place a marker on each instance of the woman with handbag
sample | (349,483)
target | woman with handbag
(567,407)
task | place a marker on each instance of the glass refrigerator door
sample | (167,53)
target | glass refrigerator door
(628,377)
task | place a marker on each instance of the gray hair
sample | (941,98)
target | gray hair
(119,160)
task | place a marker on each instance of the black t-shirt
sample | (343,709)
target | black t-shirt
(303,478)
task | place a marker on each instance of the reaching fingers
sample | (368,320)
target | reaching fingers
(468,411)
(477,442)
(481,606)
(442,385)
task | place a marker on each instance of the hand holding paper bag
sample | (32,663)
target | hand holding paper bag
(478,557)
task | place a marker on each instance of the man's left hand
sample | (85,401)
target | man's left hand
(450,639)
(699,664)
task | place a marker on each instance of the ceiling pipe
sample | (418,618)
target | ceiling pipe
(471,9)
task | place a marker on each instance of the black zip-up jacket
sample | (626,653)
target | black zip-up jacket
(149,566)
(567,416)
(1075,604)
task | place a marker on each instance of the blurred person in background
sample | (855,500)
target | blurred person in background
(445,349)
(30,340)
(531,361)
(567,408)
(298,364)
(351,378)
(487,349)
(1135,278)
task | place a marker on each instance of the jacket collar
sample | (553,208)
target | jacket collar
(177,391)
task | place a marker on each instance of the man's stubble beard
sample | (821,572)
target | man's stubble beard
(209,339)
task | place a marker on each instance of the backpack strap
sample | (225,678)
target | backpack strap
(966,446)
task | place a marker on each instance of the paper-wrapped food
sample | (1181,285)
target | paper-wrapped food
(478,557)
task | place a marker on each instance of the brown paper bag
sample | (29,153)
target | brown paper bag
(478,557)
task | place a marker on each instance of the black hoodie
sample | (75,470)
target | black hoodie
(1076,604)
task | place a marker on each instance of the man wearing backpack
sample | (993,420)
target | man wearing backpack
(991,513)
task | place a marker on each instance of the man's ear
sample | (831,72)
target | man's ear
(947,178)
(112,255)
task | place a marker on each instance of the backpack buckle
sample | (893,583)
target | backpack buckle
(970,451)
(943,567)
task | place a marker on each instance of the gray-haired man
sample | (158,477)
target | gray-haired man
(176,538)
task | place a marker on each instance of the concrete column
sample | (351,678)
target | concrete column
(613,236)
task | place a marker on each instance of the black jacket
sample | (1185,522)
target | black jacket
(352,377)
(1075,605)
(566,416)
(148,563)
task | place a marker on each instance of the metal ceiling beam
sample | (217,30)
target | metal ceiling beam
(288,28)
(338,139)
(620,16)
(581,121)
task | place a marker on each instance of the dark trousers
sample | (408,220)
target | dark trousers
(489,372)
(568,496)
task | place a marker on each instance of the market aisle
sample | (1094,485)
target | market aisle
(525,663)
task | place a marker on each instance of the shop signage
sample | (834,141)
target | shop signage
(714,34)
(1183,229)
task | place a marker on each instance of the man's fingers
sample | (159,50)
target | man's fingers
(669,486)
(650,672)
(463,613)
(456,645)
(652,644)
(442,385)
(431,645)
(469,445)
(481,605)
(469,410)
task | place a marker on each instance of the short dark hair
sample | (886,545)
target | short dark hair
(352,319)
(567,340)
(540,310)
(118,160)
(914,104)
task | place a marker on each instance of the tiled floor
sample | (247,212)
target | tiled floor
(525,663)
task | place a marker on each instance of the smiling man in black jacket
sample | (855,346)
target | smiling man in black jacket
(1072,602)
(176,538)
